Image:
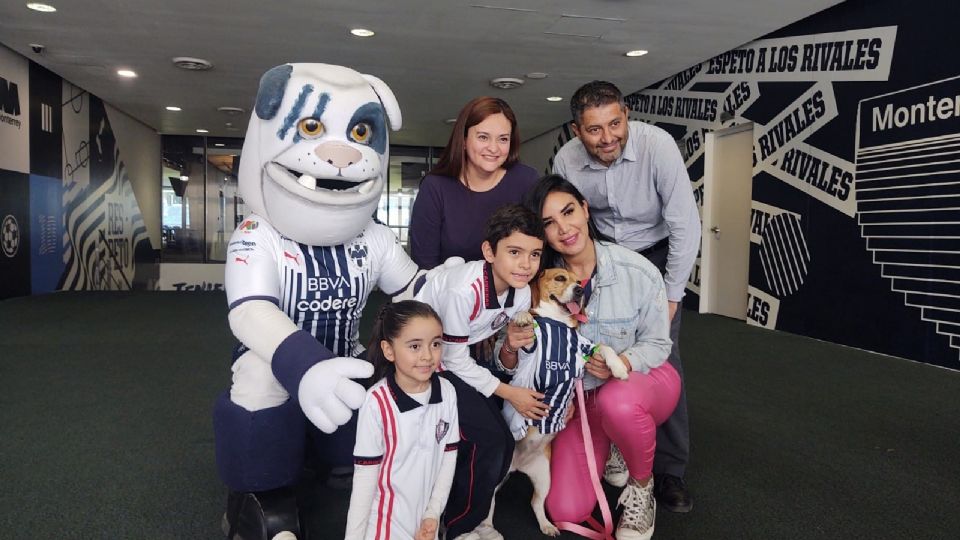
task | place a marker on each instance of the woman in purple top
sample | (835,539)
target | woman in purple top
(478,172)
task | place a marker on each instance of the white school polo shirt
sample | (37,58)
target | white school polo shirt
(408,440)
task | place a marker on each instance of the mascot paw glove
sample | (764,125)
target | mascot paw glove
(327,395)
(451,262)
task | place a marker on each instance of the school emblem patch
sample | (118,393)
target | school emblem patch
(500,321)
(442,428)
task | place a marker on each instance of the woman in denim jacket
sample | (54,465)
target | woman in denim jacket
(626,307)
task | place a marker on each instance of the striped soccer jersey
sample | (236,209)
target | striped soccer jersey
(407,440)
(323,289)
(465,298)
(551,366)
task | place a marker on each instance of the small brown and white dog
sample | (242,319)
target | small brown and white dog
(551,366)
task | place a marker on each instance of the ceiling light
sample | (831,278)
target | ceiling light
(218,144)
(554,98)
(126,73)
(450,121)
(231,110)
(361,32)
(638,52)
(45,8)
(536,75)
(185,178)
(174,109)
(202,131)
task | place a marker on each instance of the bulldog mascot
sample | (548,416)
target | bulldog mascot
(299,270)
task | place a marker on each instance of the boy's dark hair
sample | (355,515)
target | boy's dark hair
(594,94)
(537,196)
(509,219)
(391,319)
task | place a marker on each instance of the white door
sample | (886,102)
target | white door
(725,250)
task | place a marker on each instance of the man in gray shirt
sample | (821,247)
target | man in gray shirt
(639,194)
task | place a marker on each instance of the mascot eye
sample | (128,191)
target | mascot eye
(361,132)
(310,127)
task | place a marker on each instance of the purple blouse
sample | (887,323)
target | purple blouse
(449,220)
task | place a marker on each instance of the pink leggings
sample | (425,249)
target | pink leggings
(624,412)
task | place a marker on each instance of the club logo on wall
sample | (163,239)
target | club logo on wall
(907,196)
(10,238)
(9,103)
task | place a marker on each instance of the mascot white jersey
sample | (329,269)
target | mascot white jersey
(299,270)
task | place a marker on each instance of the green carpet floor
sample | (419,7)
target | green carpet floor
(105,430)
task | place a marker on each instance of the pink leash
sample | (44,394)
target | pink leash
(599,531)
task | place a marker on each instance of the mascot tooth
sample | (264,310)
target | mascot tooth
(299,270)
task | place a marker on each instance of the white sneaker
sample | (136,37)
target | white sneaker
(615,471)
(487,532)
(639,511)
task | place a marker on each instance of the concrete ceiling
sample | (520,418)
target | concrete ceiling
(435,54)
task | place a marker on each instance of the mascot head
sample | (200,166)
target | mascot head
(316,152)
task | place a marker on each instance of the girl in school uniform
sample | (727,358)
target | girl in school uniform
(407,432)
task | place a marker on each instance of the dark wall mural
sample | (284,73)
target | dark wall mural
(856,180)
(70,220)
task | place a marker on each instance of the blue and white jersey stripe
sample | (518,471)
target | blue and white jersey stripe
(323,289)
(550,366)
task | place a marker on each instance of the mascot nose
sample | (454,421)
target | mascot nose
(338,154)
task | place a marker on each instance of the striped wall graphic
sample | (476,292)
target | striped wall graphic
(565,134)
(784,255)
(103,225)
(908,196)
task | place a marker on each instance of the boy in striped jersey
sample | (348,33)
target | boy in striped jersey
(475,301)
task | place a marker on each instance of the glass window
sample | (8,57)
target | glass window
(223,160)
(408,166)
(199,202)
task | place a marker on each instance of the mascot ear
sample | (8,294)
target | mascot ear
(387,99)
(270,94)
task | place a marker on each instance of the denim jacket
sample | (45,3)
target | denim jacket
(627,309)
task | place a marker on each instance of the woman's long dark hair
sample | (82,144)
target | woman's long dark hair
(537,196)
(390,321)
(475,111)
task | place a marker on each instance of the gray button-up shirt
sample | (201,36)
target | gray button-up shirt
(642,198)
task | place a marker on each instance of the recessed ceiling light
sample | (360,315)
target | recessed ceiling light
(638,52)
(231,110)
(361,32)
(174,109)
(45,8)
(218,144)
(536,75)
(450,121)
(554,98)
(126,73)
(202,131)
